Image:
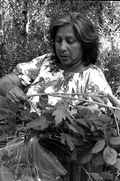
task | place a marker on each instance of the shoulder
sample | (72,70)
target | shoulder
(35,63)
(94,70)
(97,77)
(31,68)
(42,58)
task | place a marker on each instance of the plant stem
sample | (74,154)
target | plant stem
(86,173)
(80,99)
(118,130)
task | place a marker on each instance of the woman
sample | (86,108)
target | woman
(69,69)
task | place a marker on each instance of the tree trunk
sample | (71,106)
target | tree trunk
(1,38)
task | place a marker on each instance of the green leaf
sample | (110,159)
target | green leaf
(98,146)
(85,112)
(63,137)
(71,141)
(102,118)
(59,116)
(117,114)
(5,174)
(71,127)
(96,176)
(68,139)
(3,113)
(6,160)
(80,130)
(107,175)
(3,136)
(14,141)
(43,100)
(19,126)
(118,90)
(1,132)
(77,141)
(12,118)
(34,115)
(97,159)
(12,124)
(69,117)
(3,102)
(114,131)
(13,107)
(97,99)
(110,155)
(97,123)
(117,164)
(25,113)
(36,123)
(95,114)
(62,105)
(115,140)
(85,157)
(82,122)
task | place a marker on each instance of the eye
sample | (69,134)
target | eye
(70,40)
(57,39)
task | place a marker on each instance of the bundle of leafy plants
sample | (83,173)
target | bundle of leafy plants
(88,131)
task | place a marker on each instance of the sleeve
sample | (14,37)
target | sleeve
(28,71)
(97,82)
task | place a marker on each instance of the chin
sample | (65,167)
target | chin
(65,62)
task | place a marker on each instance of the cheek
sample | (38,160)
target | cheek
(78,50)
(75,50)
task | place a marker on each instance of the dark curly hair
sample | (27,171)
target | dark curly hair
(85,32)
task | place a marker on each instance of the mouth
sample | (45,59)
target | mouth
(64,56)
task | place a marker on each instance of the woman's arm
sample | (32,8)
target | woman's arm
(23,74)
(10,87)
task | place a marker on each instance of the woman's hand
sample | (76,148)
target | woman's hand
(114,100)
(10,87)
(16,94)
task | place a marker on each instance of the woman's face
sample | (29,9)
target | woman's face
(68,48)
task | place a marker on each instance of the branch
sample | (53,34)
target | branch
(68,97)
(86,172)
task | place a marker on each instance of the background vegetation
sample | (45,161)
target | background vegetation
(24,36)
(24,25)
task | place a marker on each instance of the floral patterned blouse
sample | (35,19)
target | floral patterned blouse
(42,76)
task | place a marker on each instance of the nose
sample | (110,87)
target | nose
(63,46)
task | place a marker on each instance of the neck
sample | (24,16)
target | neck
(79,67)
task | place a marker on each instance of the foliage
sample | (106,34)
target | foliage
(89,132)
(109,48)
(25,30)
(110,65)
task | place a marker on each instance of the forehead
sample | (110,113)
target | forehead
(66,30)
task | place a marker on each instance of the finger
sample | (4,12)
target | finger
(12,97)
(23,97)
(16,99)
(20,95)
(9,99)
(114,100)
(17,94)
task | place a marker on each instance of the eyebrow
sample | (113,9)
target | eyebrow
(69,36)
